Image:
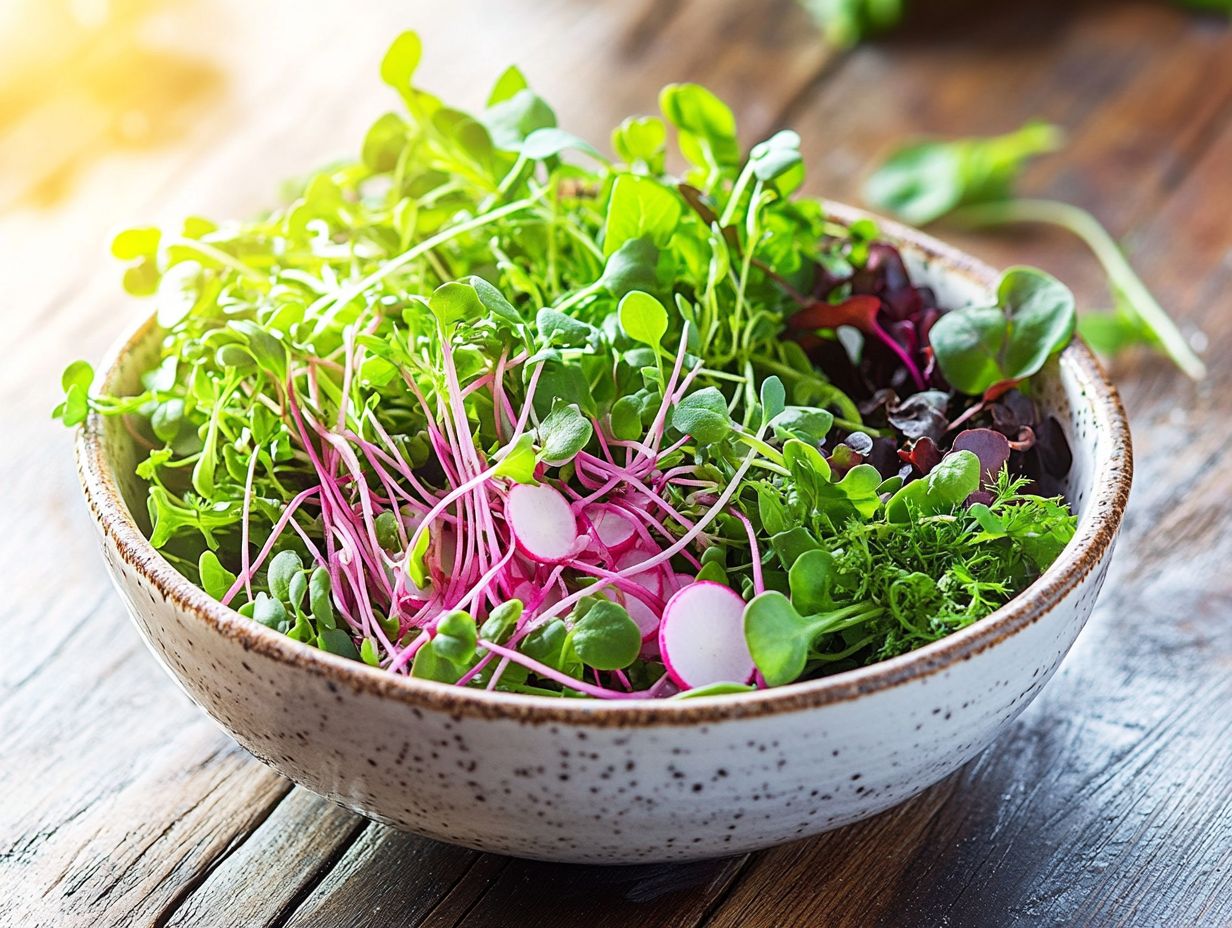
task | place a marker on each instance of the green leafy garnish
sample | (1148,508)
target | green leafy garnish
(980,346)
(476,405)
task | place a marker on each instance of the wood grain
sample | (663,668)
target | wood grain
(1110,800)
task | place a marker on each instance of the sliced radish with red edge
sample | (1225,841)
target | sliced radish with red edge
(701,637)
(542,522)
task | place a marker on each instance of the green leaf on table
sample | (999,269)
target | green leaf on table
(926,180)
(846,22)
(1112,331)
(979,346)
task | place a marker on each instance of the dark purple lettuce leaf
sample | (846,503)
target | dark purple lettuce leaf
(991,447)
(1051,450)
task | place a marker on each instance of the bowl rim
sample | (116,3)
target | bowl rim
(1093,541)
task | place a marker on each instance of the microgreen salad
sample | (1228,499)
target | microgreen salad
(484,407)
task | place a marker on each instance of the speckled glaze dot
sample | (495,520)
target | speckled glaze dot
(593,782)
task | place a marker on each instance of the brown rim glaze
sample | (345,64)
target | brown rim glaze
(1088,547)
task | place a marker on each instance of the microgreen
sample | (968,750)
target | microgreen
(980,346)
(484,408)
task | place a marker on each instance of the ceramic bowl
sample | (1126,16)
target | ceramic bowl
(602,782)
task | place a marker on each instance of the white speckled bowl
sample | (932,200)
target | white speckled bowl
(601,782)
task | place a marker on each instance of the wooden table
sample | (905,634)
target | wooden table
(1109,801)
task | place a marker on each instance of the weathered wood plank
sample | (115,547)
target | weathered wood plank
(388,880)
(283,860)
(549,895)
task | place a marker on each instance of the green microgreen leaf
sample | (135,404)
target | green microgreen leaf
(320,600)
(564,433)
(337,641)
(455,302)
(606,638)
(643,318)
(925,181)
(979,346)
(284,566)
(805,423)
(778,637)
(502,621)
(641,140)
(401,61)
(703,415)
(639,208)
(773,398)
(632,266)
(517,462)
(216,580)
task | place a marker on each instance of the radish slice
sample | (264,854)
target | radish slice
(535,597)
(542,522)
(614,529)
(643,615)
(650,580)
(701,637)
(675,582)
(647,619)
